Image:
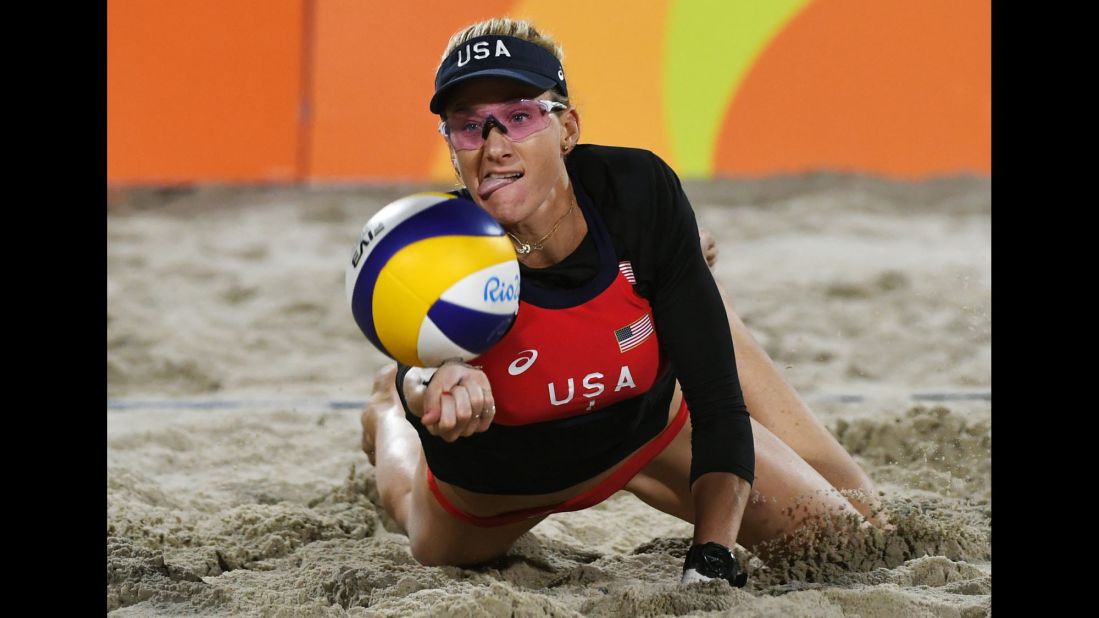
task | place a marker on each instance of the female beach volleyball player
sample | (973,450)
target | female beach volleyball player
(622,335)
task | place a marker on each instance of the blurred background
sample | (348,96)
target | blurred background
(334,91)
(839,151)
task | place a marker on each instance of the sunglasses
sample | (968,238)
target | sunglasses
(467,129)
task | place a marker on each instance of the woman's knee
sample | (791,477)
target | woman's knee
(454,552)
(787,492)
(437,539)
(430,553)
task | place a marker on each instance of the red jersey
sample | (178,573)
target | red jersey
(565,362)
(582,380)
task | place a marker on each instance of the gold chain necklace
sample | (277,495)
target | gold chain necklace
(525,248)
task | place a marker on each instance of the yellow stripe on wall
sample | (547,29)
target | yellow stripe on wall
(613,55)
(710,46)
(613,58)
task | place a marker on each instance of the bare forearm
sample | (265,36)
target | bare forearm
(719,502)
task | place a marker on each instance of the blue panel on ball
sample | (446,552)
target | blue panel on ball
(473,330)
(453,217)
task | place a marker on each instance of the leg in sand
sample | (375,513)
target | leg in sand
(393,446)
(775,404)
(786,493)
(799,465)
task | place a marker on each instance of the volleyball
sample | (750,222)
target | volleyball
(433,277)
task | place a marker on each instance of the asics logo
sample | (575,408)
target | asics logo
(521,364)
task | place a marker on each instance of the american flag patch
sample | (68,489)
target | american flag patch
(627,270)
(635,334)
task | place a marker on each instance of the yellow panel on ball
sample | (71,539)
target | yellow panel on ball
(398,313)
(417,275)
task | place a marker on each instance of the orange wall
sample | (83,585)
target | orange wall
(899,88)
(373,76)
(337,90)
(203,90)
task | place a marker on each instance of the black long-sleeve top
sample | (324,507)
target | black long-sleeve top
(649,219)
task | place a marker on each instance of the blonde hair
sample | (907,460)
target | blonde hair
(505,26)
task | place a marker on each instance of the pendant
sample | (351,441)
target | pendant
(523,249)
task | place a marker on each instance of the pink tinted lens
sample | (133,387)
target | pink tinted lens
(520,118)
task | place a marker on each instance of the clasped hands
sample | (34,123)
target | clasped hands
(457,401)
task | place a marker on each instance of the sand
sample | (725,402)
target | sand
(235,483)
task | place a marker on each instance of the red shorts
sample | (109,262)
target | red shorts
(600,492)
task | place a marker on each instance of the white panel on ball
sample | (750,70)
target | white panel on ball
(434,347)
(380,224)
(492,290)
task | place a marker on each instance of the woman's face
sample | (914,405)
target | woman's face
(537,157)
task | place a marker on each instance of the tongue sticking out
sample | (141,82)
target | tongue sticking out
(490,185)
